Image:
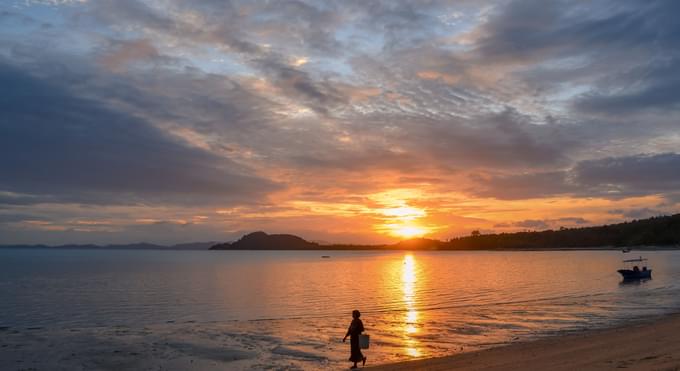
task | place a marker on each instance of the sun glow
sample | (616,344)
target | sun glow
(407,231)
(398,214)
(404,212)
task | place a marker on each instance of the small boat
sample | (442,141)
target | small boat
(635,273)
(325,256)
(625,250)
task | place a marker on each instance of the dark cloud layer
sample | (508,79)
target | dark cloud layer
(608,177)
(640,40)
(631,175)
(60,144)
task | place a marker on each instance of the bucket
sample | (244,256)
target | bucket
(363,341)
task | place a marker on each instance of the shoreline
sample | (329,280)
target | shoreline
(645,344)
(330,248)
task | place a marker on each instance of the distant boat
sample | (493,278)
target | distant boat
(635,273)
(325,256)
(627,249)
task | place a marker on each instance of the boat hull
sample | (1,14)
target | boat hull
(629,274)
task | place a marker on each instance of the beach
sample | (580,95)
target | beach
(171,346)
(639,345)
(650,345)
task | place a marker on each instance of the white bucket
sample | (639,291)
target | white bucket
(363,341)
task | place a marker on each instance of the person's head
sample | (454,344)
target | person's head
(356,314)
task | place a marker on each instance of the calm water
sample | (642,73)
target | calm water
(413,304)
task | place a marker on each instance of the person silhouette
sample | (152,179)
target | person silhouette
(356,327)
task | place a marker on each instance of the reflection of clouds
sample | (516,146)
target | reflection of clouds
(408,279)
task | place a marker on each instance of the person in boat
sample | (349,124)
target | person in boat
(636,269)
(354,330)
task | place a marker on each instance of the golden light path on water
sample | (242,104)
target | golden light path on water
(409,279)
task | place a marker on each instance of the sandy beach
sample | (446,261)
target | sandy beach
(651,345)
(172,346)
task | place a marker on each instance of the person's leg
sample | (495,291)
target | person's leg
(363,361)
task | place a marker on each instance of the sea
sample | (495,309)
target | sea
(298,304)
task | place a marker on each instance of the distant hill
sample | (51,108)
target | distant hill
(132,246)
(657,231)
(264,241)
(662,231)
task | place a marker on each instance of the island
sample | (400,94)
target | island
(656,232)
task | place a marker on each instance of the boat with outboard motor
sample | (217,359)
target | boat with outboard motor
(635,273)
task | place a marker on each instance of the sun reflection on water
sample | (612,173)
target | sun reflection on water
(408,280)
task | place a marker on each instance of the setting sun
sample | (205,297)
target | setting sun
(401,215)
(408,231)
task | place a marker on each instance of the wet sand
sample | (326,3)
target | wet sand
(651,345)
(171,347)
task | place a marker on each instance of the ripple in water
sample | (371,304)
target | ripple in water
(296,306)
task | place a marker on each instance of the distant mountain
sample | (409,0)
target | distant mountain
(661,231)
(132,246)
(658,231)
(264,241)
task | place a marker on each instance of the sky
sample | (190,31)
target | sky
(348,121)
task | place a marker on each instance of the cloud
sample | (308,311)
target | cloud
(126,52)
(622,52)
(317,95)
(658,89)
(227,103)
(522,186)
(55,2)
(574,220)
(542,224)
(57,143)
(531,223)
(639,213)
(618,177)
(532,30)
(631,175)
